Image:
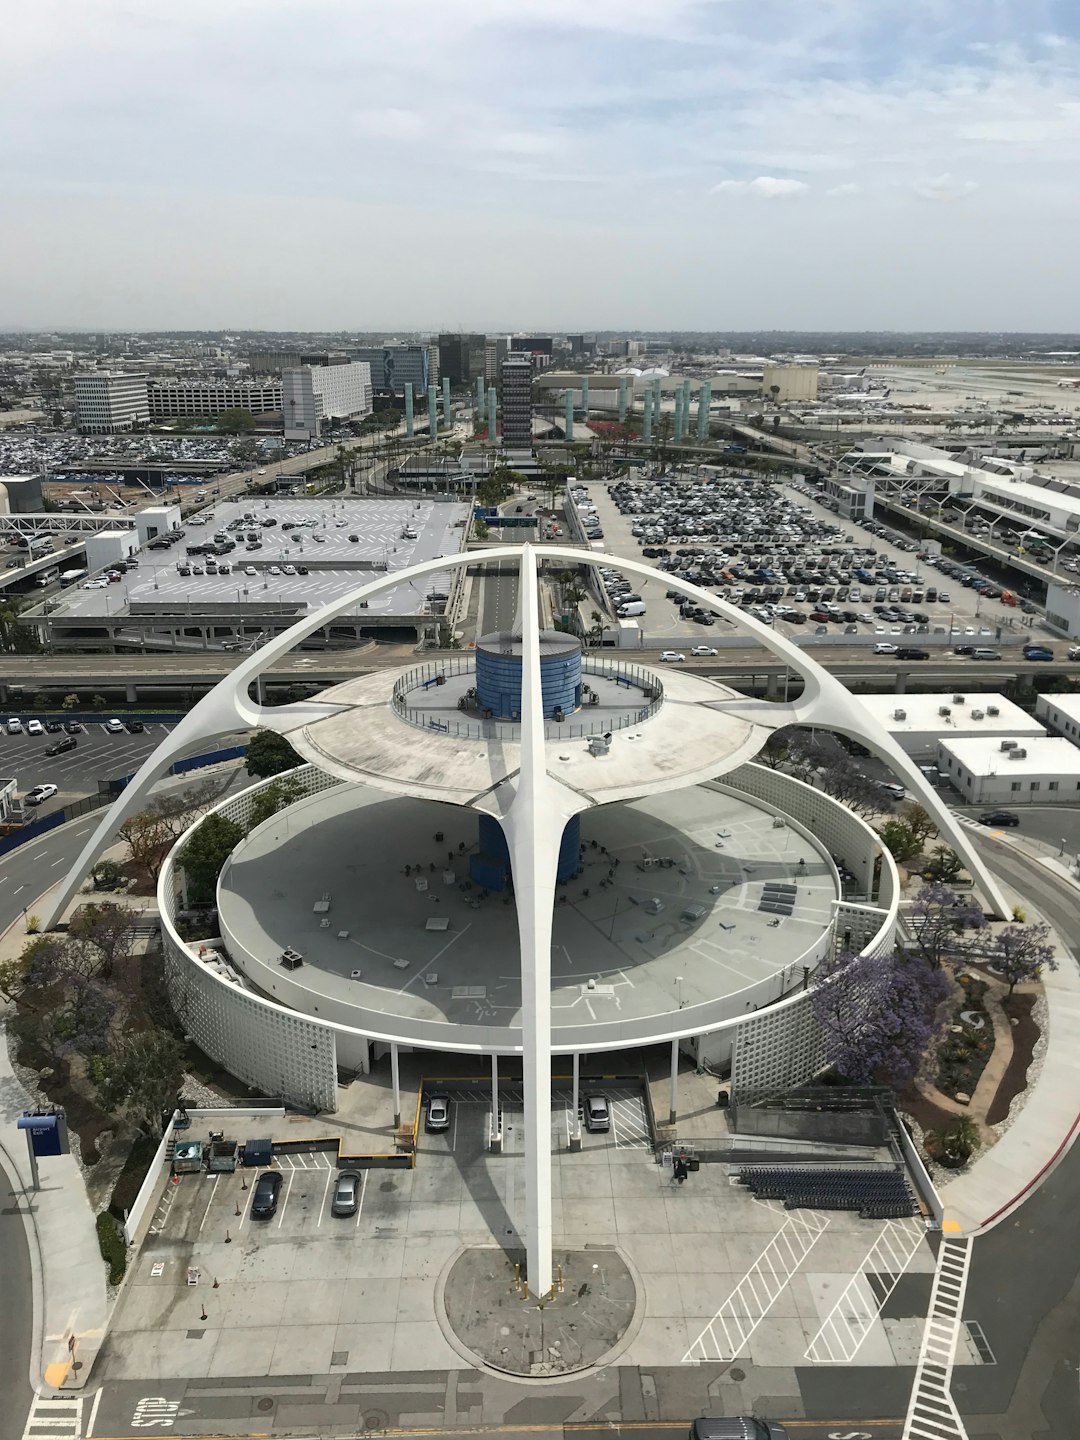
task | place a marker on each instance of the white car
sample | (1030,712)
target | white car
(114,727)
(35,727)
(274,570)
(95,584)
(14,726)
(885,647)
(672,655)
(288,569)
(250,570)
(702,650)
(39,794)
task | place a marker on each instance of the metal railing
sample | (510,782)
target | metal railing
(632,677)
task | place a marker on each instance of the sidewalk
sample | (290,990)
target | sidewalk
(70,1298)
(1048,1122)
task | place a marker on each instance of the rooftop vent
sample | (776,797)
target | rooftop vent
(1018,754)
(993,710)
(958,699)
(977,714)
(899,714)
(1009,744)
(944,709)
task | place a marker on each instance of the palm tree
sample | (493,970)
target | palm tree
(596,626)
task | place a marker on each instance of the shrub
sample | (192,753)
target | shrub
(113,1249)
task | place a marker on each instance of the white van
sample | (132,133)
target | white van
(635,607)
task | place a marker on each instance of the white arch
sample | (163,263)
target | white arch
(824,702)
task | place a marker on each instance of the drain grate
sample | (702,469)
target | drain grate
(195,1334)
(339,1357)
(977,1335)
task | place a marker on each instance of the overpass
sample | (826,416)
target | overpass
(748,665)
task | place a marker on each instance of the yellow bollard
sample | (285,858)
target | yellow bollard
(526,1289)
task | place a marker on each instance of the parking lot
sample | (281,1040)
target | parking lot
(342,542)
(98,756)
(784,558)
(471,1125)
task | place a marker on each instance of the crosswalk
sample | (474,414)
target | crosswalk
(932,1413)
(54,1417)
(850,1320)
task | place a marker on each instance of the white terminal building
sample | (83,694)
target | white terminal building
(522,853)
(311,394)
(918,722)
(1034,770)
(1060,714)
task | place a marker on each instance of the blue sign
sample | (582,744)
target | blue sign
(48,1133)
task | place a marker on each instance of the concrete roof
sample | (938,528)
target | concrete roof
(1046,755)
(922,715)
(1068,703)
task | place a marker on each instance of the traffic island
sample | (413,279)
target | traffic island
(488,1309)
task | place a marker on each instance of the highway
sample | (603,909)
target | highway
(17,1316)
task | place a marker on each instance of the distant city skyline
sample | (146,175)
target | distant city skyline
(621,164)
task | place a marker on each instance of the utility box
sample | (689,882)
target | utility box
(258,1152)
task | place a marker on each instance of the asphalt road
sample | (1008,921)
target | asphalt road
(99,756)
(17,1311)
(498,609)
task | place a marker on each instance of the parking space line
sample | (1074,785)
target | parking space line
(453,1133)
(363,1192)
(326,1187)
(285,1202)
(210,1201)
(247,1204)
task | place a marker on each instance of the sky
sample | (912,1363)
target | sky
(541,164)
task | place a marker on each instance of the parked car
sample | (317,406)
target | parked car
(62,746)
(265,1195)
(39,794)
(53,727)
(135,727)
(438,1113)
(1001,819)
(73,727)
(114,726)
(14,726)
(35,727)
(597,1113)
(346,1193)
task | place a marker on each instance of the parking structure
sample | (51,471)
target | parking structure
(776,552)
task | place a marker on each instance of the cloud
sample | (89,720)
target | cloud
(944,187)
(765,187)
(841,192)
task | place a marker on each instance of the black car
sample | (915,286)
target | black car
(265,1197)
(62,746)
(53,727)
(73,727)
(908,652)
(135,727)
(302,570)
(1002,819)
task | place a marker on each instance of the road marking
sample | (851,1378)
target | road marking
(850,1320)
(61,861)
(363,1192)
(932,1412)
(453,1133)
(58,1416)
(284,1203)
(210,1201)
(326,1187)
(93,1414)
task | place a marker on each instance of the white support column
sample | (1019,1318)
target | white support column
(577,1094)
(397,1083)
(673,1101)
(496,1110)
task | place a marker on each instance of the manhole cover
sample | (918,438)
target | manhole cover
(736,1374)
(376,1420)
(195,1334)
(264,1404)
(339,1357)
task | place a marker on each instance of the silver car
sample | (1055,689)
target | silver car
(346,1193)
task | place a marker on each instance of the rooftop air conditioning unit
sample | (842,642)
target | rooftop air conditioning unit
(1009,744)
(1018,754)
(944,709)
(993,710)
(899,714)
(957,699)
(977,714)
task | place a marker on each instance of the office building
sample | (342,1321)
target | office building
(461,358)
(1031,770)
(517,374)
(395,366)
(313,394)
(577,344)
(789,382)
(106,402)
(495,352)
(919,723)
(188,400)
(274,362)
(533,345)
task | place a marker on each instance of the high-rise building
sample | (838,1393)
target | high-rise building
(395,366)
(533,344)
(314,393)
(495,352)
(461,358)
(190,399)
(576,343)
(517,376)
(106,402)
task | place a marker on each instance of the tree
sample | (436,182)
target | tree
(944,923)
(149,838)
(70,702)
(235,422)
(596,625)
(1021,952)
(142,1075)
(944,865)
(106,930)
(900,840)
(919,822)
(879,1014)
(205,854)
(273,798)
(777,748)
(269,753)
(818,758)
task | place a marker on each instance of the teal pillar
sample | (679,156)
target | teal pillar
(408,409)
(492,428)
(646,424)
(480,397)
(704,400)
(677,434)
(622,401)
(433,410)
(585,400)
(446,401)
(569,415)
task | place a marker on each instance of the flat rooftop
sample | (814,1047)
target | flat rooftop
(922,714)
(336,563)
(407,955)
(1046,755)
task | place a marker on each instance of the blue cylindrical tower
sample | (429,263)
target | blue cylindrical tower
(490,866)
(408,409)
(498,675)
(704,400)
(480,397)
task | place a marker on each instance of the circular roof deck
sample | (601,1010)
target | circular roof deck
(675,925)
